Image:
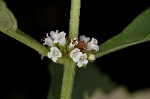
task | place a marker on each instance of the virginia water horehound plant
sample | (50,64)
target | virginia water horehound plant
(74,51)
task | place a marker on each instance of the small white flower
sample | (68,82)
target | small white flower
(73,42)
(92,45)
(75,54)
(54,53)
(48,41)
(82,60)
(54,34)
(84,38)
(58,37)
(61,38)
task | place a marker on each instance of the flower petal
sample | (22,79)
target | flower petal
(49,54)
(92,45)
(54,59)
(84,38)
(54,34)
(85,61)
(94,41)
(54,53)
(48,41)
(80,64)
(76,59)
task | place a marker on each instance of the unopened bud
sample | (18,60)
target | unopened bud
(91,57)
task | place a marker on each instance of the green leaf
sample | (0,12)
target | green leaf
(8,25)
(56,72)
(7,19)
(86,80)
(136,32)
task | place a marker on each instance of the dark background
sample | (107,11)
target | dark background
(22,71)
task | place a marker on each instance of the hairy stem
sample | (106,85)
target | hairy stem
(69,65)
(74,18)
(68,80)
(27,40)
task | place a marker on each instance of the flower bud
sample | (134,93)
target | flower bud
(91,57)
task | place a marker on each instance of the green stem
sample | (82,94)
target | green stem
(68,79)
(74,18)
(69,65)
(27,40)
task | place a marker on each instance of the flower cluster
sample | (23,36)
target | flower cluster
(80,51)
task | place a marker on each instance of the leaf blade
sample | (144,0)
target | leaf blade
(86,80)
(8,25)
(89,79)
(136,32)
(7,19)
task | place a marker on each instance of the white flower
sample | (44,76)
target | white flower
(61,38)
(82,60)
(58,37)
(73,42)
(54,53)
(92,45)
(75,54)
(84,38)
(54,34)
(48,41)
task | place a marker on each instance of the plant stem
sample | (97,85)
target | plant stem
(68,79)
(69,65)
(27,40)
(74,18)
